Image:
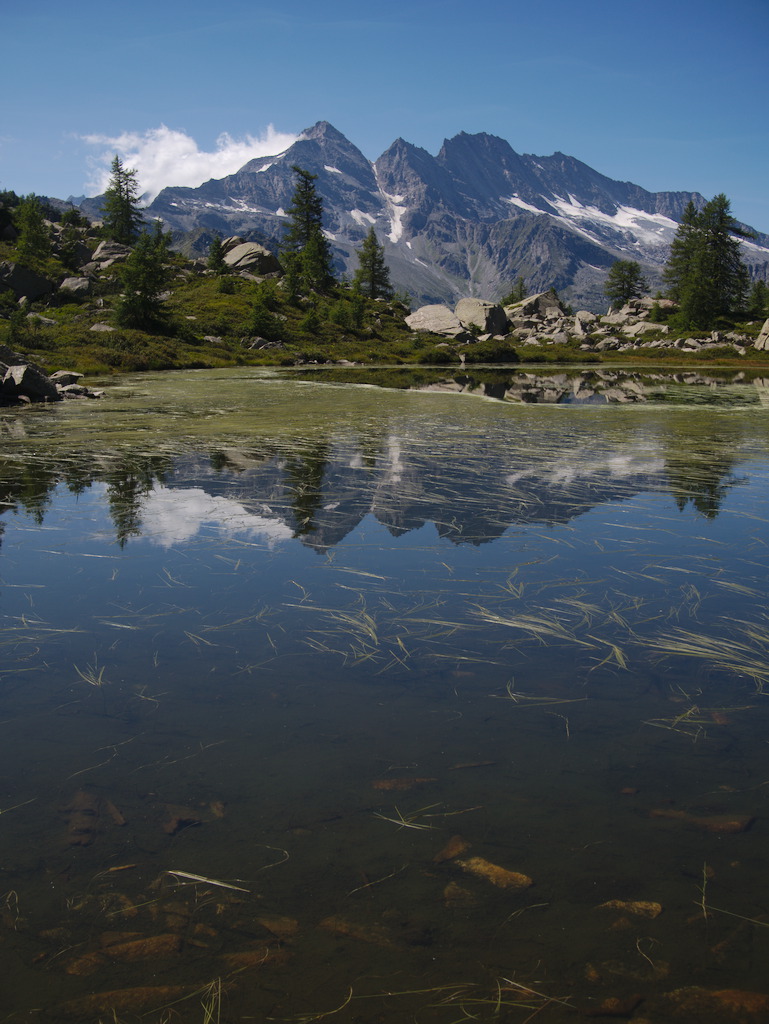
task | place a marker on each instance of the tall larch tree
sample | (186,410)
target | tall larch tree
(373,274)
(680,262)
(305,252)
(34,242)
(705,272)
(145,275)
(120,213)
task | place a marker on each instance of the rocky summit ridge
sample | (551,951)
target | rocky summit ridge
(467,222)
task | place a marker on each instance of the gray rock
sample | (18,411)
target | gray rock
(436,320)
(75,285)
(107,253)
(24,282)
(65,377)
(536,305)
(26,381)
(102,327)
(489,316)
(75,391)
(762,341)
(634,330)
(253,258)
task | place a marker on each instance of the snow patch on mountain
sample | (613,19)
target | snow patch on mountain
(396,216)
(651,229)
(522,204)
(362,218)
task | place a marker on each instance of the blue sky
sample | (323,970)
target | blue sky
(669,94)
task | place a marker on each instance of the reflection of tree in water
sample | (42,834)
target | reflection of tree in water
(700,470)
(129,480)
(304,482)
(79,474)
(28,484)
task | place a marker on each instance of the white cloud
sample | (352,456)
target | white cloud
(164,156)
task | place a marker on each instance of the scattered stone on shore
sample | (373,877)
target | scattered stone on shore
(23,382)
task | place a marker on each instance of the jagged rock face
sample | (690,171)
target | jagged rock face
(467,222)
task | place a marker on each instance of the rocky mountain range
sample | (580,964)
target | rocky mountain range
(467,222)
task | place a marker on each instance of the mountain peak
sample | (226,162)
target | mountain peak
(469,221)
(323,131)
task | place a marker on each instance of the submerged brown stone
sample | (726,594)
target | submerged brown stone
(719,824)
(733,1005)
(498,876)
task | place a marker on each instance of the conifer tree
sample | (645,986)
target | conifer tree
(120,215)
(680,263)
(145,275)
(34,242)
(624,282)
(216,256)
(758,300)
(305,251)
(516,294)
(373,275)
(709,278)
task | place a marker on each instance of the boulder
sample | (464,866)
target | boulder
(634,330)
(65,377)
(76,391)
(762,341)
(75,285)
(24,283)
(436,319)
(25,381)
(252,257)
(537,305)
(488,316)
(583,323)
(231,242)
(107,253)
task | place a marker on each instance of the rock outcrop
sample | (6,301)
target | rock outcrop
(542,319)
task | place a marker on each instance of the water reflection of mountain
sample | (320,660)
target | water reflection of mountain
(324,492)
(471,486)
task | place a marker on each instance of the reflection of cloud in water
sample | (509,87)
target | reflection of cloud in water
(172,516)
(613,467)
(394,466)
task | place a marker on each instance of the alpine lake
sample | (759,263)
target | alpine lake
(367,698)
